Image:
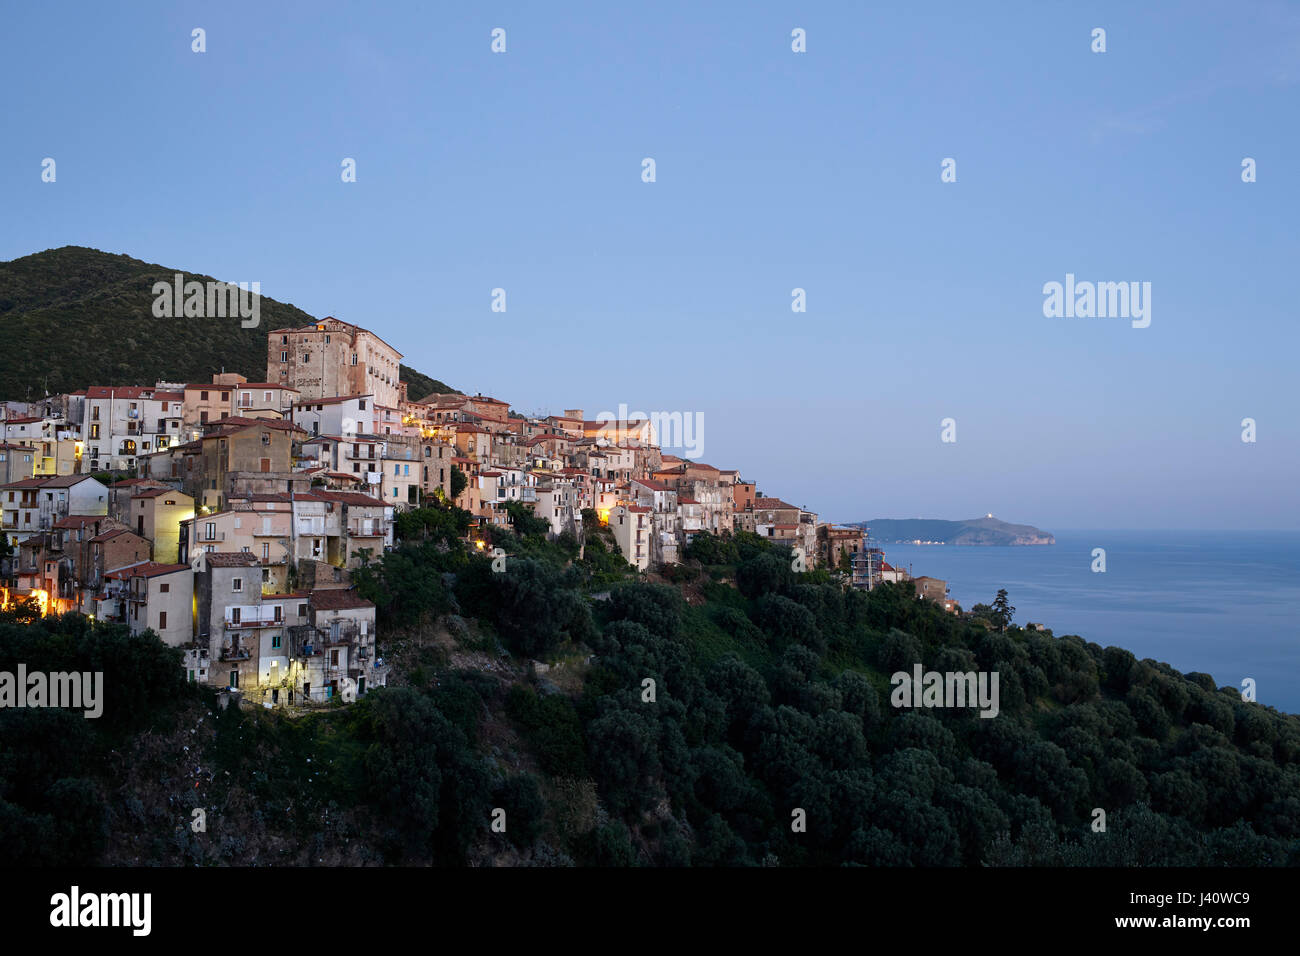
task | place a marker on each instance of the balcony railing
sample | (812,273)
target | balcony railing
(252,622)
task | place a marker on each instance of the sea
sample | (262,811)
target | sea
(1225,603)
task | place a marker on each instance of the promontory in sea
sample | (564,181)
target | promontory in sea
(976,531)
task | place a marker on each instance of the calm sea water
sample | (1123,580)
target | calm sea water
(1224,603)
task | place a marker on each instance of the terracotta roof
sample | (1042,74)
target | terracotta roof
(119,391)
(155,492)
(115,532)
(67,481)
(236,422)
(230,559)
(58,481)
(146,569)
(78,521)
(350,498)
(337,599)
(772,504)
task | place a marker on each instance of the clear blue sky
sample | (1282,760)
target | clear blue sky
(775,171)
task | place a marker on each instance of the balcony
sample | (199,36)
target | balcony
(308,641)
(233,652)
(264,617)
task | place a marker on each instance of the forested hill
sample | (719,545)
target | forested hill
(74,317)
(682,719)
(975,531)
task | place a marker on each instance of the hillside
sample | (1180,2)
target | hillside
(770,697)
(976,531)
(74,317)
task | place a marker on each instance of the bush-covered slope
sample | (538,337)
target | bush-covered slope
(74,317)
(737,714)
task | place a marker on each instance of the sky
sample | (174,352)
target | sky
(774,171)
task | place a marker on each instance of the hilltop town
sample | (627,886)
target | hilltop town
(229,516)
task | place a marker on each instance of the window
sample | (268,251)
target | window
(284,340)
(225,396)
(266,551)
(245,400)
(94,413)
(361,404)
(327,340)
(236,584)
(306,357)
(406,469)
(354,358)
(276,640)
(302,610)
(334,658)
(266,396)
(234,678)
(162,620)
(164,587)
(284,356)
(210,530)
(234,615)
(203,396)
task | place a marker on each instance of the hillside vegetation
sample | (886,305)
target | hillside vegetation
(769,703)
(74,317)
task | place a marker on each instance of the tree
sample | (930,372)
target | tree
(458,482)
(1002,610)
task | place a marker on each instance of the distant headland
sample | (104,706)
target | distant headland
(988,531)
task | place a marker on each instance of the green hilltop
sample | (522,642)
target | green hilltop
(74,317)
